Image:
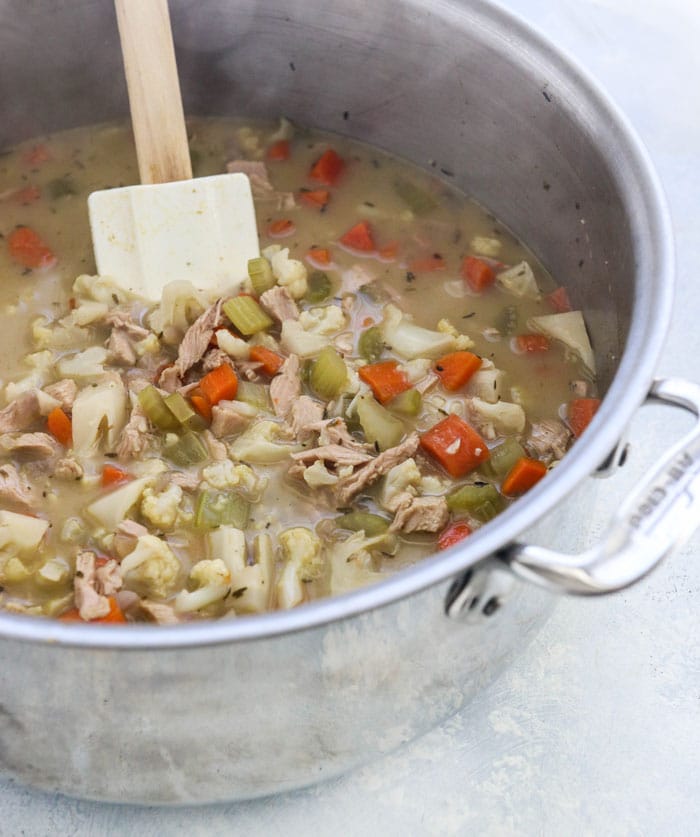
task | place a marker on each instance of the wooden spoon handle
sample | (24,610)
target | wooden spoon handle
(154,90)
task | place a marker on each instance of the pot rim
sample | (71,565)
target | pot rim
(650,320)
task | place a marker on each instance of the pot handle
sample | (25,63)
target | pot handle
(658,517)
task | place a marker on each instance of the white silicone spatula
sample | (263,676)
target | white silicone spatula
(170,227)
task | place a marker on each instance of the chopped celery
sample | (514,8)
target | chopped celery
(408,403)
(370,524)
(480,501)
(328,374)
(221,508)
(187,450)
(156,410)
(370,346)
(257,395)
(319,287)
(502,458)
(379,426)
(507,320)
(184,413)
(416,199)
(260,274)
(246,315)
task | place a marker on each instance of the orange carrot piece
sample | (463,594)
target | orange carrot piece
(385,379)
(580,412)
(455,445)
(477,273)
(320,255)
(428,264)
(328,168)
(316,198)
(278,151)
(389,251)
(37,155)
(115,615)
(522,476)
(531,343)
(454,533)
(455,369)
(359,238)
(113,476)
(281,228)
(271,361)
(28,249)
(30,194)
(60,426)
(221,384)
(559,301)
(202,405)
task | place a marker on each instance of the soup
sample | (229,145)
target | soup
(395,370)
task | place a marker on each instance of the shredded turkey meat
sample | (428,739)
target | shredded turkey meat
(285,388)
(229,418)
(419,514)
(303,418)
(39,445)
(108,578)
(135,438)
(548,440)
(20,413)
(64,392)
(13,489)
(347,487)
(90,603)
(193,346)
(119,348)
(279,304)
(68,469)
(333,455)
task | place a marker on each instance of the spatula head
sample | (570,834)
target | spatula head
(201,230)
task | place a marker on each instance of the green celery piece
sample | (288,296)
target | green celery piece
(260,274)
(378,425)
(221,508)
(507,320)
(416,199)
(156,410)
(408,403)
(371,524)
(370,346)
(257,395)
(328,374)
(320,287)
(502,458)
(480,501)
(187,450)
(246,315)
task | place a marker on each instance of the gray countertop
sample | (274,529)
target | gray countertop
(596,729)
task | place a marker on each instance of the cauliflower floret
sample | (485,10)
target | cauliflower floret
(416,370)
(317,475)
(41,362)
(501,419)
(86,313)
(47,335)
(86,364)
(260,443)
(225,474)
(148,346)
(303,562)
(212,582)
(487,382)
(410,340)
(326,320)
(100,289)
(404,477)
(180,305)
(351,563)
(289,273)
(484,245)
(152,568)
(162,508)
(462,341)
(232,345)
(295,340)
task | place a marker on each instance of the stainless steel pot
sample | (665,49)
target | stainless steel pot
(236,709)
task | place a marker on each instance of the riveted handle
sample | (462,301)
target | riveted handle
(656,519)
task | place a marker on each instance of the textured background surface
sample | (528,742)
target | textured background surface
(596,728)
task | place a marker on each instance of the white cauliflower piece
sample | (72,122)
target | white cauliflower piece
(416,370)
(317,475)
(86,364)
(47,335)
(260,443)
(289,273)
(251,584)
(42,363)
(326,320)
(484,245)
(99,410)
(86,313)
(402,478)
(410,340)
(148,346)
(351,563)
(501,419)
(303,562)
(462,341)
(296,340)
(487,382)
(234,346)
(225,474)
(152,568)
(570,328)
(100,289)
(162,508)
(212,582)
(519,280)
(180,304)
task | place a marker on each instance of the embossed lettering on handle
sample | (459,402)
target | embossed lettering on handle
(655,520)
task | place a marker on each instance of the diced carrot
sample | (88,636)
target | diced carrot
(559,301)
(221,384)
(60,426)
(530,343)
(202,405)
(278,151)
(30,194)
(522,476)
(327,168)
(320,255)
(37,155)
(385,379)
(359,238)
(271,361)
(477,273)
(454,533)
(317,198)
(428,264)
(115,615)
(113,476)
(455,445)
(389,251)
(281,228)
(28,249)
(580,412)
(455,369)
(367,322)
